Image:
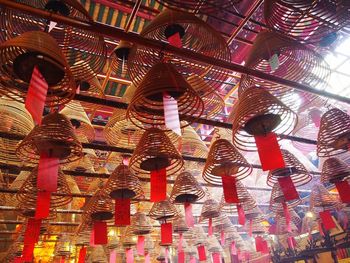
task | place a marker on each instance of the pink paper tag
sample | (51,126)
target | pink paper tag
(129,256)
(179,247)
(222,238)
(148,258)
(233,248)
(113,256)
(188,215)
(47,173)
(216,257)
(141,245)
(210,227)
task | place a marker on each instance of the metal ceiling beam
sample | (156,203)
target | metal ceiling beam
(117,33)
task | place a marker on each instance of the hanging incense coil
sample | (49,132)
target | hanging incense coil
(79,119)
(76,44)
(195,35)
(99,208)
(15,119)
(128,239)
(55,137)
(334,170)
(257,226)
(186,189)
(141,224)
(296,63)
(321,199)
(213,103)
(154,152)
(259,113)
(313,22)
(123,184)
(163,210)
(121,132)
(98,255)
(210,209)
(281,224)
(254,213)
(293,168)
(277,199)
(179,225)
(224,159)
(22,53)
(147,104)
(334,133)
(27,194)
(192,144)
(221,222)
(247,202)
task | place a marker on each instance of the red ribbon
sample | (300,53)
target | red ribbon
(141,245)
(188,215)
(166,232)
(241,215)
(158,185)
(287,186)
(42,205)
(343,188)
(47,173)
(269,152)
(31,236)
(210,227)
(230,190)
(36,96)
(100,233)
(175,40)
(122,212)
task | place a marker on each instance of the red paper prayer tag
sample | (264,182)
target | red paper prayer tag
(113,256)
(188,215)
(287,186)
(181,257)
(141,245)
(27,254)
(230,190)
(210,227)
(166,230)
(222,238)
(241,215)
(192,259)
(250,227)
(47,173)
(147,258)
(233,248)
(129,256)
(175,40)
(258,244)
(201,253)
(122,212)
(343,188)
(42,209)
(158,185)
(269,152)
(36,95)
(32,232)
(82,255)
(216,257)
(100,233)
(327,220)
(287,216)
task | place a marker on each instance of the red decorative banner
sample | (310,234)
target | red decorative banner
(36,96)
(327,220)
(82,255)
(216,257)
(47,173)
(289,191)
(188,215)
(241,215)
(210,227)
(141,245)
(166,230)
(181,257)
(269,152)
(343,188)
(100,233)
(122,212)
(201,253)
(158,185)
(42,209)
(230,190)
